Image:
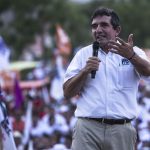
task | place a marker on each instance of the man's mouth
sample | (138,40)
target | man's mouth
(100,37)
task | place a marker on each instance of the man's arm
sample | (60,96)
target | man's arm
(74,85)
(141,65)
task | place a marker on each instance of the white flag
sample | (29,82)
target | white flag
(7,135)
(28,125)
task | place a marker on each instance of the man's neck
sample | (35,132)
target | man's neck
(105,49)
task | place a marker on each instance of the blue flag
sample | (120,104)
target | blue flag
(4,55)
(3,47)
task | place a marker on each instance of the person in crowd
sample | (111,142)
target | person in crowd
(106,84)
(143,119)
(18,123)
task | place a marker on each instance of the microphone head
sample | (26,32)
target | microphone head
(95,45)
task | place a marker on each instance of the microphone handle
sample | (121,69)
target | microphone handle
(93,72)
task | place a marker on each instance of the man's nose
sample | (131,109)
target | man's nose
(99,28)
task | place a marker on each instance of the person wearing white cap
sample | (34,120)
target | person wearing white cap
(59,147)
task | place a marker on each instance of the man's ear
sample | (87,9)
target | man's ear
(118,30)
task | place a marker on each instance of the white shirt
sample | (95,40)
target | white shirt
(112,94)
(60,124)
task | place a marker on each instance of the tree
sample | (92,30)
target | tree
(21,20)
(30,17)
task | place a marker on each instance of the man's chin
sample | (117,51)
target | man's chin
(102,43)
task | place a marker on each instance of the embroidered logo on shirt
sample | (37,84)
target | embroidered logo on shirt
(125,61)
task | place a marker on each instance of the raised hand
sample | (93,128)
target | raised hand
(121,47)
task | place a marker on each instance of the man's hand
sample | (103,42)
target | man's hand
(74,85)
(121,47)
(92,64)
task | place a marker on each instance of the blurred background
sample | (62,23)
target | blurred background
(38,38)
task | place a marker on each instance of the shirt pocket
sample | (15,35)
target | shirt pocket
(126,76)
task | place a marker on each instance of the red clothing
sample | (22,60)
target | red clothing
(18,125)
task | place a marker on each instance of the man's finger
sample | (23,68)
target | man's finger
(120,41)
(130,39)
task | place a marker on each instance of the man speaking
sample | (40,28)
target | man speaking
(107,103)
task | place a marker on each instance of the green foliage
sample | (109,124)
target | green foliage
(30,17)
(134,16)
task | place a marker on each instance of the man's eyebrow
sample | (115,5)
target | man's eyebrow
(94,23)
(99,23)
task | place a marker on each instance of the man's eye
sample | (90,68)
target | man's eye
(94,26)
(104,24)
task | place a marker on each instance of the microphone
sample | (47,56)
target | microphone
(95,53)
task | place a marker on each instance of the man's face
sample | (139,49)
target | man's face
(103,31)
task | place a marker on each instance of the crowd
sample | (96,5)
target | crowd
(45,120)
(142,123)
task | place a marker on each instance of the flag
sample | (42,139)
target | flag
(4,55)
(62,41)
(17,94)
(28,125)
(60,67)
(8,142)
(45,94)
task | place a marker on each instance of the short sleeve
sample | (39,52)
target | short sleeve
(74,67)
(140,53)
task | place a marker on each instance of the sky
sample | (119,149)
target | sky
(81,1)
